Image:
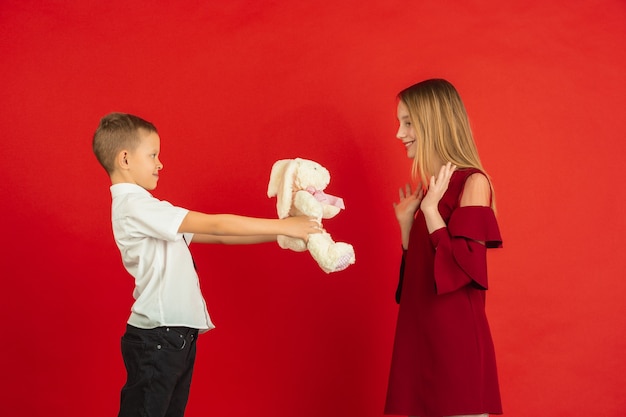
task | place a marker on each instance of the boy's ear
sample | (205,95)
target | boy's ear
(122,159)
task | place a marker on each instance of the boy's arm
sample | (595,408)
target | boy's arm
(230,225)
(232,240)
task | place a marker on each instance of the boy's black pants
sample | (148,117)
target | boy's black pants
(159,364)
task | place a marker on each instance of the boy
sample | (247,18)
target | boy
(159,345)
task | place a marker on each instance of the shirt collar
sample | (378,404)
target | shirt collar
(127,188)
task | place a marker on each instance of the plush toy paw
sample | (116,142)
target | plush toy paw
(331,256)
(296,245)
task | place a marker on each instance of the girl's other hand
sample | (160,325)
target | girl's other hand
(408,204)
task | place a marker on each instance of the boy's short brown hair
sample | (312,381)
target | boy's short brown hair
(115,132)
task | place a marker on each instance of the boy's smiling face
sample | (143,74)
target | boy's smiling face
(143,162)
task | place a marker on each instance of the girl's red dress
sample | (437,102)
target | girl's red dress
(443,360)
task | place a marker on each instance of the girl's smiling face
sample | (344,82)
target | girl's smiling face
(406,133)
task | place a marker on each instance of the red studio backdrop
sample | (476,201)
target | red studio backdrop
(234,86)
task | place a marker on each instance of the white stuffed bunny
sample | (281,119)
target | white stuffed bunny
(298,185)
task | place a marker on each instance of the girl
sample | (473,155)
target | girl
(443,361)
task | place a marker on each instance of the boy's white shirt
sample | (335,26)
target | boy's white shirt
(167,289)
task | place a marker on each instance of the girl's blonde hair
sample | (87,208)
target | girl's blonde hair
(442,129)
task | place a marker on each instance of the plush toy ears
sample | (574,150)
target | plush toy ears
(281,185)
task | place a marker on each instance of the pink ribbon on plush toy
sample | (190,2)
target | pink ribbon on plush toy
(329,199)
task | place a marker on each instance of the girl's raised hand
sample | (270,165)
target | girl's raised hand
(437,188)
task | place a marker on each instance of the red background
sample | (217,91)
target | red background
(235,85)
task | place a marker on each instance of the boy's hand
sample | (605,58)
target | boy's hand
(302,226)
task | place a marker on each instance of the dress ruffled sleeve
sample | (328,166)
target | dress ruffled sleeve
(460,257)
